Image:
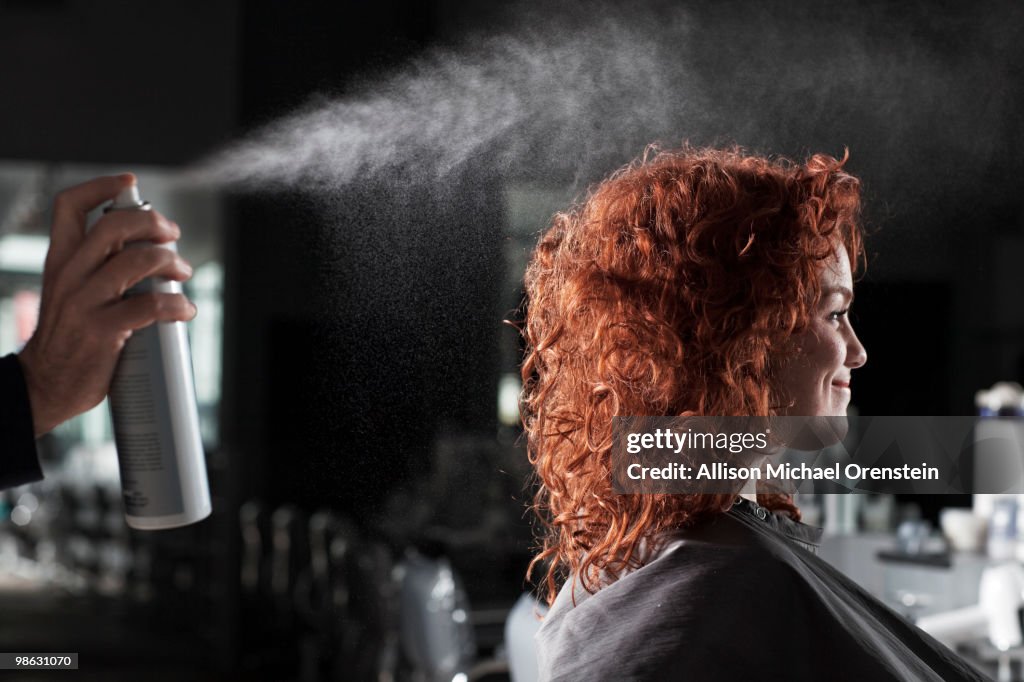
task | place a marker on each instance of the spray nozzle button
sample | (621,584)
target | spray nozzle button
(128,198)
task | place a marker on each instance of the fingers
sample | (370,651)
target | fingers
(109,236)
(83,319)
(131,266)
(70,209)
(143,310)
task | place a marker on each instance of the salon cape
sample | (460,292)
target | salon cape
(739,597)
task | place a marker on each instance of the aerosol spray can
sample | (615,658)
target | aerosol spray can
(156,421)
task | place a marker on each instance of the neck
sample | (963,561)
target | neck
(749,490)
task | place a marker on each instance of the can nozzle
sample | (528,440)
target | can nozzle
(128,198)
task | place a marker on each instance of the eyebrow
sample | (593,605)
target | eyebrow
(845,291)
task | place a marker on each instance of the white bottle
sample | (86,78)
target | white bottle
(156,420)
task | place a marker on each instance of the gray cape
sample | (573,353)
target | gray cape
(738,597)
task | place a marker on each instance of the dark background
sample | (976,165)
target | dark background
(337,388)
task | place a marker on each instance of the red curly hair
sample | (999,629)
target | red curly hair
(674,288)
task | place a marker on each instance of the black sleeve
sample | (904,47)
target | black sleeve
(19,462)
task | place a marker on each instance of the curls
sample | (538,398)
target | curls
(673,288)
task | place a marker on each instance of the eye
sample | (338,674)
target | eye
(834,316)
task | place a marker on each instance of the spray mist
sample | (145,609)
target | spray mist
(156,420)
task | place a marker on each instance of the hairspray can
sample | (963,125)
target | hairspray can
(156,420)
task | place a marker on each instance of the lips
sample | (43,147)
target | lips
(839,383)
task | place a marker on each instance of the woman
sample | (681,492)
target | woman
(702,282)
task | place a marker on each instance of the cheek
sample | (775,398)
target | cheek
(823,354)
(807,375)
(798,378)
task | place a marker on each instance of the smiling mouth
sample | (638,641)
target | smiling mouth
(841,384)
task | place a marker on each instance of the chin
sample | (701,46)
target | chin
(839,425)
(836,411)
(816,433)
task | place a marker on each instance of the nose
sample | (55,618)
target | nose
(856,355)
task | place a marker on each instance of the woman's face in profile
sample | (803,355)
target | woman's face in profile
(816,381)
